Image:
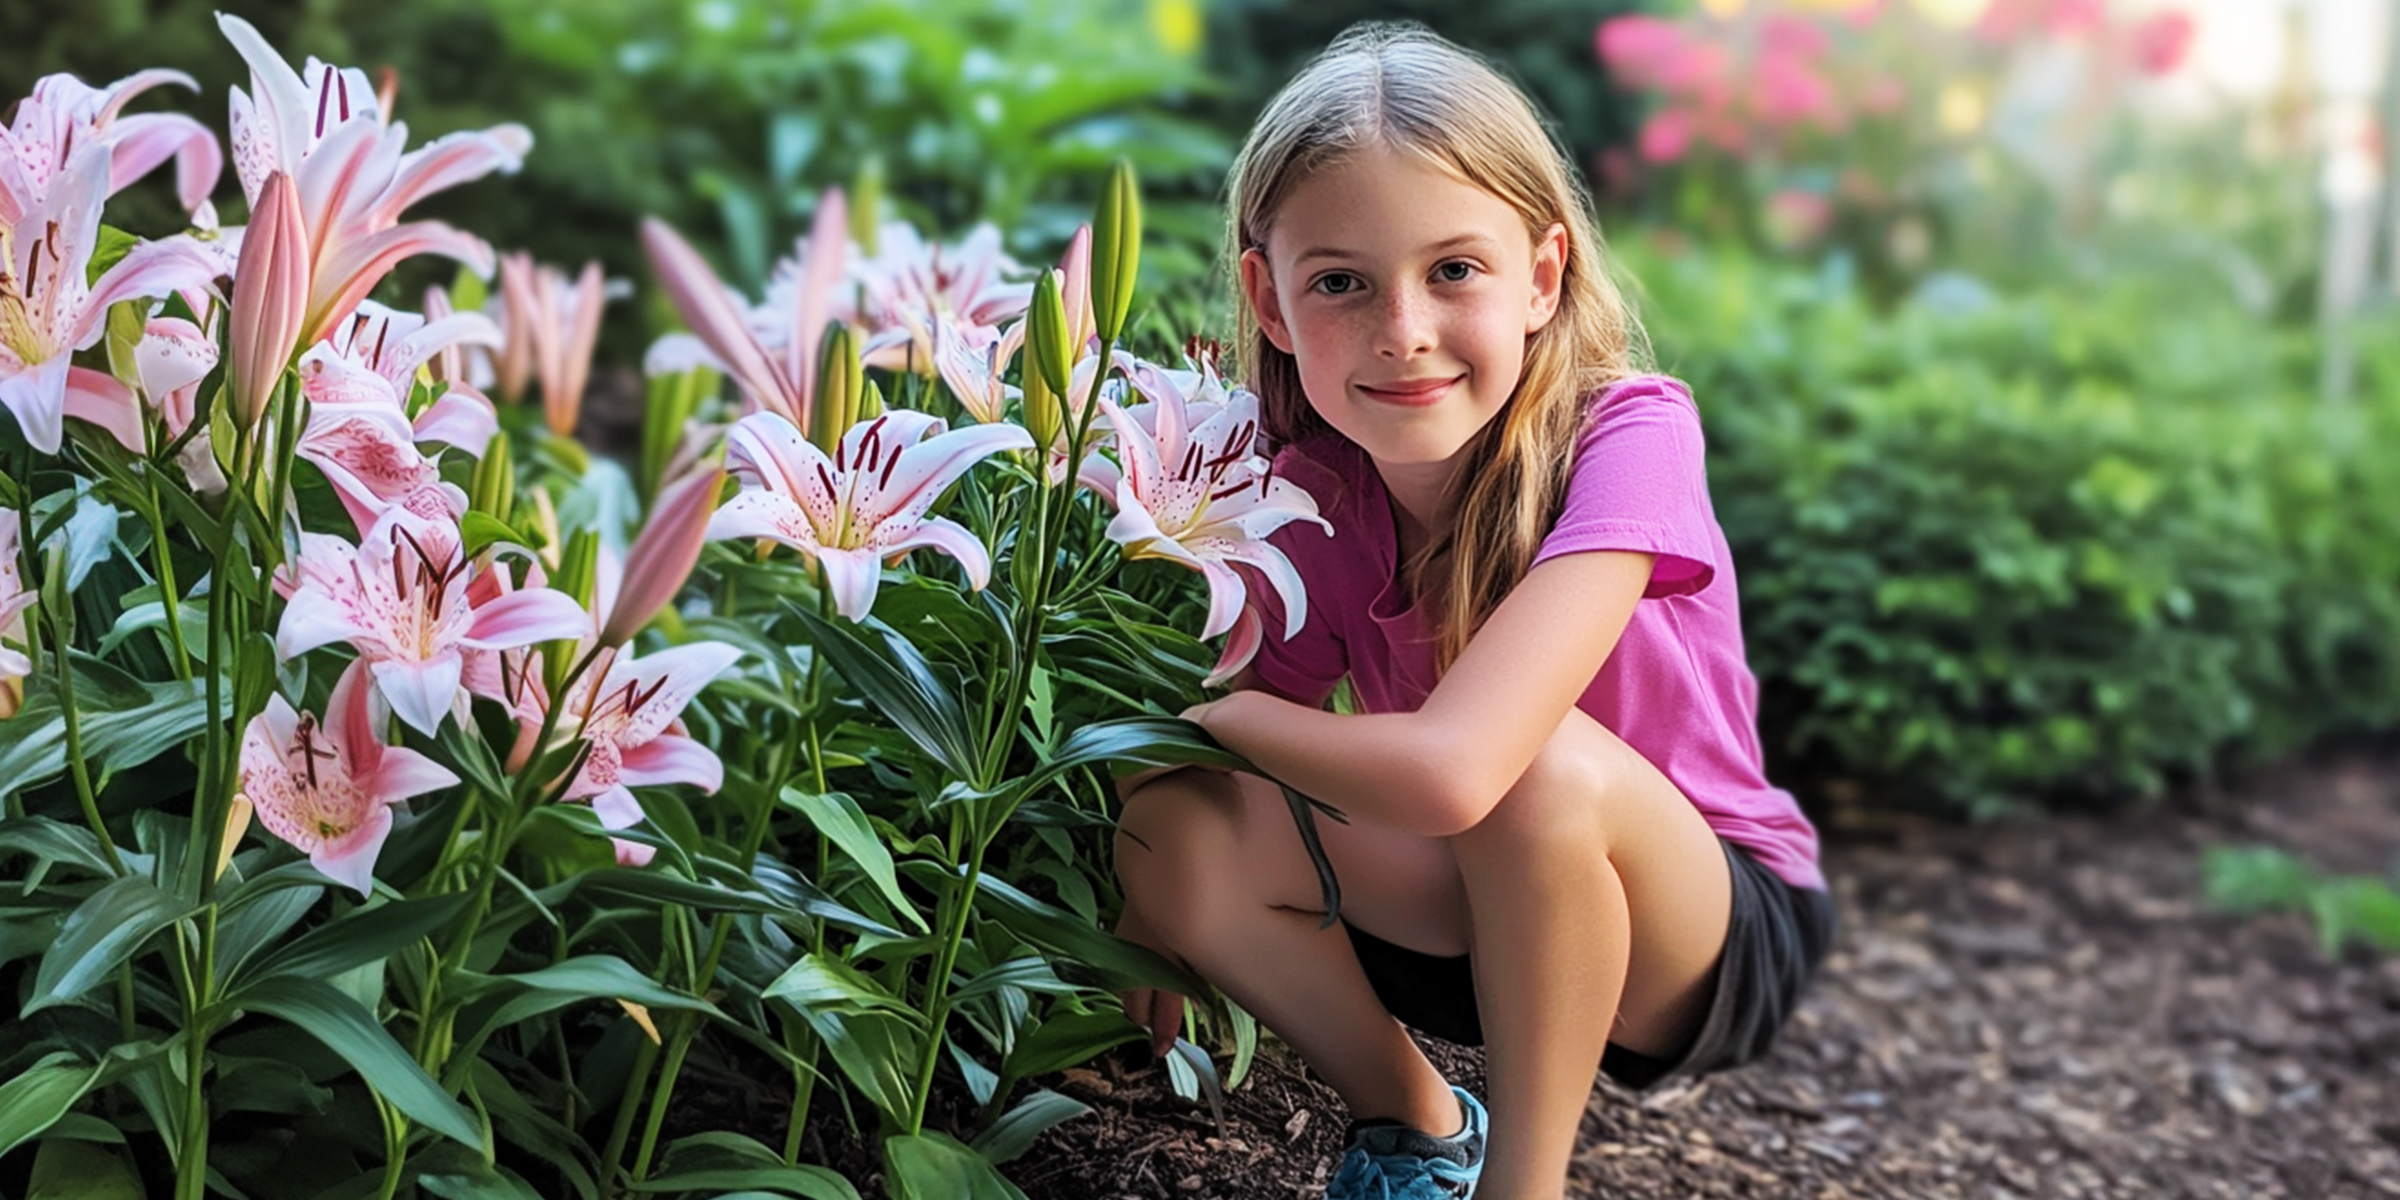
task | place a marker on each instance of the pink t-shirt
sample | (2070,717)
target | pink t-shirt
(1676,687)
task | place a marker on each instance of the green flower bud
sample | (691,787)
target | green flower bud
(1116,250)
(495,483)
(870,403)
(578,576)
(1049,348)
(840,378)
(866,204)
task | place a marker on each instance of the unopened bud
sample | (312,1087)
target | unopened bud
(1116,250)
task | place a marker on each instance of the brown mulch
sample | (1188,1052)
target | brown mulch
(2039,1010)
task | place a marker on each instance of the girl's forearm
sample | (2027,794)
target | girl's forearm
(1379,767)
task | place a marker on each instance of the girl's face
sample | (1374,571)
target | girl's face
(1406,296)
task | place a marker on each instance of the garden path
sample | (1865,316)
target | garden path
(2036,1010)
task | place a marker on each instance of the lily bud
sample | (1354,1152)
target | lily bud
(870,402)
(866,204)
(270,297)
(664,554)
(1047,356)
(1116,250)
(578,576)
(840,379)
(1077,296)
(1047,350)
(495,490)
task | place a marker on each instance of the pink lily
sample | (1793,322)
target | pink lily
(866,505)
(402,597)
(663,554)
(328,789)
(14,600)
(633,722)
(48,311)
(715,314)
(909,284)
(519,299)
(1194,490)
(324,127)
(805,293)
(358,384)
(65,114)
(970,357)
(564,329)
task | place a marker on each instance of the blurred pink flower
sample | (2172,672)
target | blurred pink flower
(1786,33)
(663,554)
(1790,91)
(1795,218)
(1666,136)
(328,789)
(908,283)
(2162,40)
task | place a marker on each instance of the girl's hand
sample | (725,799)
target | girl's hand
(1155,1009)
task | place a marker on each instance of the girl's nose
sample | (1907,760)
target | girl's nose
(1405,325)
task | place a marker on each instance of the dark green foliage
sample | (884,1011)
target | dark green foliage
(2074,544)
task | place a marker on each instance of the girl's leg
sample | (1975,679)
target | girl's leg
(1220,878)
(1599,901)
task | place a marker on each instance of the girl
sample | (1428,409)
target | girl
(1560,843)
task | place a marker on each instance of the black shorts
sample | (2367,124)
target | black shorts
(1776,937)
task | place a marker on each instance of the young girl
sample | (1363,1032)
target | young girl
(1560,842)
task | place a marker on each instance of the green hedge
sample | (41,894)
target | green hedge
(2073,545)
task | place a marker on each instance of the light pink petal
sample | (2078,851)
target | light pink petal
(950,538)
(282,101)
(406,773)
(670,678)
(765,450)
(1135,529)
(1279,572)
(172,355)
(1100,475)
(763,514)
(526,616)
(150,269)
(350,859)
(1240,648)
(37,395)
(356,267)
(672,758)
(101,400)
(139,144)
(705,305)
(616,808)
(852,576)
(421,693)
(821,272)
(463,417)
(1226,596)
(675,353)
(449,161)
(904,492)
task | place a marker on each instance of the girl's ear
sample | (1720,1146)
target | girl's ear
(1258,285)
(1549,277)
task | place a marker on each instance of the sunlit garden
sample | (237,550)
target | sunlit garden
(576,581)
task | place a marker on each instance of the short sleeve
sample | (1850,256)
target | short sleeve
(1640,483)
(1305,668)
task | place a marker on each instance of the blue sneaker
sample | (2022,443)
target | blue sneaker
(1386,1160)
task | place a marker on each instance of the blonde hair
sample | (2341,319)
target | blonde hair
(1400,86)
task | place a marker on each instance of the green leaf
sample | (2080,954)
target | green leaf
(1146,741)
(362,935)
(105,930)
(125,723)
(811,1182)
(1014,1133)
(352,1032)
(936,1166)
(817,983)
(1066,1040)
(1118,961)
(901,683)
(64,1170)
(583,978)
(41,1094)
(49,841)
(839,818)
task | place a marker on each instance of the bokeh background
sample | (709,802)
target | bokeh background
(2048,348)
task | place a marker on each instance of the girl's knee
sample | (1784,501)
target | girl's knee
(1584,784)
(1175,833)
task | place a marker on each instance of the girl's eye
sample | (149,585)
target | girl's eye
(1454,271)
(1336,284)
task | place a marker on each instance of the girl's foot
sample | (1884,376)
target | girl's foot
(1386,1160)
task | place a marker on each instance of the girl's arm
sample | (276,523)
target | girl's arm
(1440,770)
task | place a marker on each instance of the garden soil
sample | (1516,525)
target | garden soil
(2038,1010)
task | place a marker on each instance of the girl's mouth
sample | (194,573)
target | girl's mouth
(1412,393)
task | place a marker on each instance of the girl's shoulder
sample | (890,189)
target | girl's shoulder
(1634,392)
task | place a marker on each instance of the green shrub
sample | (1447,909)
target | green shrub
(2071,545)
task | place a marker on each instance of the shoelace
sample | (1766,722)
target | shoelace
(1391,1174)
